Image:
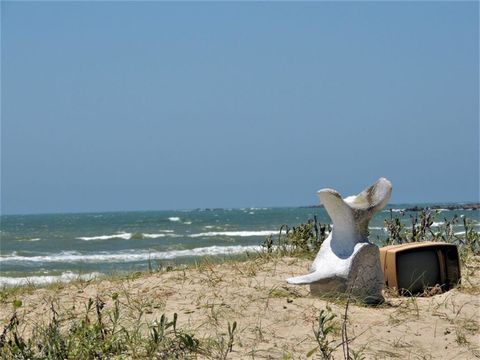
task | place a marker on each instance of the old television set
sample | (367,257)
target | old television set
(413,268)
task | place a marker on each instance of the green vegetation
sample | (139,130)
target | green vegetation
(326,333)
(421,229)
(100,334)
(323,332)
(303,240)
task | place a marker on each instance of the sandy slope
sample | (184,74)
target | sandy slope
(276,320)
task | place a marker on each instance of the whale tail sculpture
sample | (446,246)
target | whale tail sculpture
(347,261)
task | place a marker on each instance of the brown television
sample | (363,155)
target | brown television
(414,267)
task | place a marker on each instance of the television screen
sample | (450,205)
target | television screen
(417,270)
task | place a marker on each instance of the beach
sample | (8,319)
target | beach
(275,320)
(166,166)
(212,284)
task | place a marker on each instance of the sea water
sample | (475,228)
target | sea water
(62,247)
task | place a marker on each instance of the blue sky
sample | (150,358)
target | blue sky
(153,105)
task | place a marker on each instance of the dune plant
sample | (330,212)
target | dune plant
(99,333)
(325,329)
(471,241)
(421,229)
(302,240)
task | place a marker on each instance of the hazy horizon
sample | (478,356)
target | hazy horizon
(139,106)
(390,204)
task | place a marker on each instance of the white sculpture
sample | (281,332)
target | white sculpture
(347,261)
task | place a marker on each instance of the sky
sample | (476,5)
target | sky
(116,106)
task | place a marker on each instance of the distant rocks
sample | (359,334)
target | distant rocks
(473,206)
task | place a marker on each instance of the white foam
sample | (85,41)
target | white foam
(31,240)
(48,279)
(13,253)
(122,235)
(128,236)
(236,233)
(154,236)
(174,218)
(437,224)
(187,222)
(75,257)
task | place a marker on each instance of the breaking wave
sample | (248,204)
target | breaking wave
(46,279)
(128,236)
(153,236)
(169,233)
(130,256)
(122,235)
(235,233)
(31,240)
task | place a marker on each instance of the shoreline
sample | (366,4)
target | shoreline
(88,262)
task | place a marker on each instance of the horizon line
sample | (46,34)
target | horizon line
(229,208)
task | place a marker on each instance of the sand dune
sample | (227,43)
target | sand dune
(276,320)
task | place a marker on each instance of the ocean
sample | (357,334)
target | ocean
(47,248)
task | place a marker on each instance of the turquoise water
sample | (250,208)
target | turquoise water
(46,248)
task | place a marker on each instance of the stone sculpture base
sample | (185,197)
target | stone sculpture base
(364,281)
